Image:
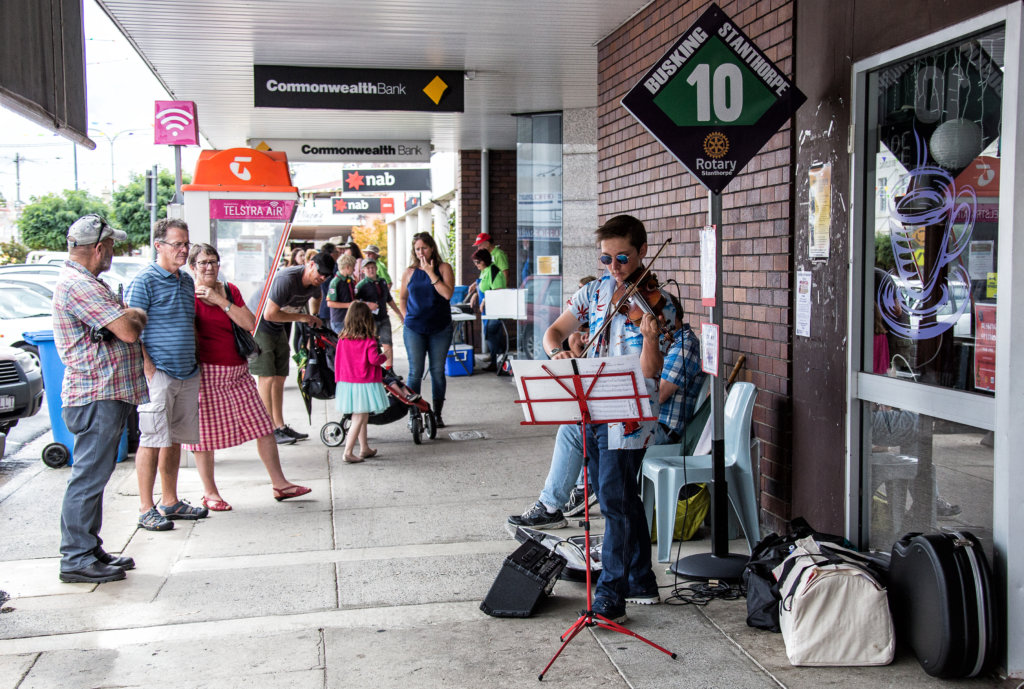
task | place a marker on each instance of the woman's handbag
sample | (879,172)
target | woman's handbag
(245,344)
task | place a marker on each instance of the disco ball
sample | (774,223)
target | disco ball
(955,143)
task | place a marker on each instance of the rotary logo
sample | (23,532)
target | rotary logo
(716,144)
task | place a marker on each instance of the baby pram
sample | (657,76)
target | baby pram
(401,399)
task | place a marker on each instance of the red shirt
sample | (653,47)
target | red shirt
(215,341)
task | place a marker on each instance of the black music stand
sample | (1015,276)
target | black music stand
(580,396)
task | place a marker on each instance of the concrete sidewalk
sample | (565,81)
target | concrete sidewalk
(372,580)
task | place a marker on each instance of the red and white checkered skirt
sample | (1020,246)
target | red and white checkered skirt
(230,409)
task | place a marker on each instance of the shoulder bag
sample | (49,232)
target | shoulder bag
(245,344)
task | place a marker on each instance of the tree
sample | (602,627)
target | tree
(377,234)
(130,212)
(44,222)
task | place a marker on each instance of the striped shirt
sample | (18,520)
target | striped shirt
(169,299)
(110,370)
(683,368)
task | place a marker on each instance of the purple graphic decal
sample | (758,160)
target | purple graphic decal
(912,298)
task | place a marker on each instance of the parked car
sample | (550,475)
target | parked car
(21,386)
(39,284)
(21,311)
(544,303)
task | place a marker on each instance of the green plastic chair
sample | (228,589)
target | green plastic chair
(667,469)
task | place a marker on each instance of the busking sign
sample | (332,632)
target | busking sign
(713,99)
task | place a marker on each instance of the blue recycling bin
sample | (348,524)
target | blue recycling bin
(61,450)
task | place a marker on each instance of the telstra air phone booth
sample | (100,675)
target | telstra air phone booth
(242,201)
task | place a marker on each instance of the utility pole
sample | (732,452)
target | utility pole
(17,180)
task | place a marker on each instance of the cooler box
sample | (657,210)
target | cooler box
(459,361)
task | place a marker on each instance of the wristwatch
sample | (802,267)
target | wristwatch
(555,351)
(227,308)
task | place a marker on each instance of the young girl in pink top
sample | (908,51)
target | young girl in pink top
(357,370)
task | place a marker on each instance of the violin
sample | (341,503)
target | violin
(637,296)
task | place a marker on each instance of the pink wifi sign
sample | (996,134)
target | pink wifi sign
(176,123)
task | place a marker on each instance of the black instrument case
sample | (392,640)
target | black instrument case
(942,602)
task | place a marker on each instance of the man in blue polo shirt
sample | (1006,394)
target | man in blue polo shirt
(167,295)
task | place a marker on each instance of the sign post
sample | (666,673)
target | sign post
(712,101)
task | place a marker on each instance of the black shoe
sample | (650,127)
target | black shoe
(96,573)
(490,368)
(438,421)
(575,504)
(648,597)
(122,561)
(943,508)
(538,517)
(282,438)
(289,431)
(608,610)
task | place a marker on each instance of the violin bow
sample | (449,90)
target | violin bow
(630,291)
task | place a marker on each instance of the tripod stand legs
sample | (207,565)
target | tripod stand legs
(592,619)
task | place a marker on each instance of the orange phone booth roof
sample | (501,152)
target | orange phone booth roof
(242,169)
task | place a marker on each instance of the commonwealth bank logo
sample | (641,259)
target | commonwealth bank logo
(435,89)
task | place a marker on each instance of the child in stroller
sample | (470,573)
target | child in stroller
(400,399)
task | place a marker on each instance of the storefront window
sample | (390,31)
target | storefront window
(933,160)
(926,475)
(933,124)
(539,227)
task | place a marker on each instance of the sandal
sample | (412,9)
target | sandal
(290,492)
(215,505)
(368,454)
(352,459)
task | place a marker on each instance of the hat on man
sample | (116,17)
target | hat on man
(372,249)
(91,229)
(481,238)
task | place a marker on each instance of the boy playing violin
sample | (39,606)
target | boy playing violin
(626,552)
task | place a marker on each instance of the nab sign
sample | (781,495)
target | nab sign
(355,204)
(713,100)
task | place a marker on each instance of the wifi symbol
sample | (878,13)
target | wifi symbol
(174,120)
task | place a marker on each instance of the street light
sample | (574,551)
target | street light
(111,139)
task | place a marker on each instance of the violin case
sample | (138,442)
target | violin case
(941,597)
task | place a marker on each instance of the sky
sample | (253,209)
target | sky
(121,91)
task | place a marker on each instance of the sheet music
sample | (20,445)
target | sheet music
(560,404)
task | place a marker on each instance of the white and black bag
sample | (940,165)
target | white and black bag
(834,611)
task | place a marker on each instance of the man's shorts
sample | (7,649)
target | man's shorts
(172,415)
(384,331)
(274,354)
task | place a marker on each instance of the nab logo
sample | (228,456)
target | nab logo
(354,181)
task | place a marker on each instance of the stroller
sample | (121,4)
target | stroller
(400,399)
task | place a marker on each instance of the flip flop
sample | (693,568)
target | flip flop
(216,505)
(290,492)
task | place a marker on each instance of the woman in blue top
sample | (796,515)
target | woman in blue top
(427,285)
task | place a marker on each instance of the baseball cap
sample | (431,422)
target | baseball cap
(482,237)
(372,249)
(90,229)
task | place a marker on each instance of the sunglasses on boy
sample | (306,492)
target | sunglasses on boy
(621,259)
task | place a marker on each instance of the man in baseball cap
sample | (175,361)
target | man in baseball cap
(498,256)
(90,229)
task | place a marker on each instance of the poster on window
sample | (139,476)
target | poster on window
(820,215)
(985,347)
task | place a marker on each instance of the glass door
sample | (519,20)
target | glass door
(928,168)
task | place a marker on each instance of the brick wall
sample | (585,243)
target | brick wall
(501,206)
(636,176)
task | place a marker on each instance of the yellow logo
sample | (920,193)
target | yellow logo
(262,146)
(716,144)
(435,89)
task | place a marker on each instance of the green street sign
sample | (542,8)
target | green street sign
(713,99)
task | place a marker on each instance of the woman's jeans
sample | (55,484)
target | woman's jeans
(495,339)
(418,347)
